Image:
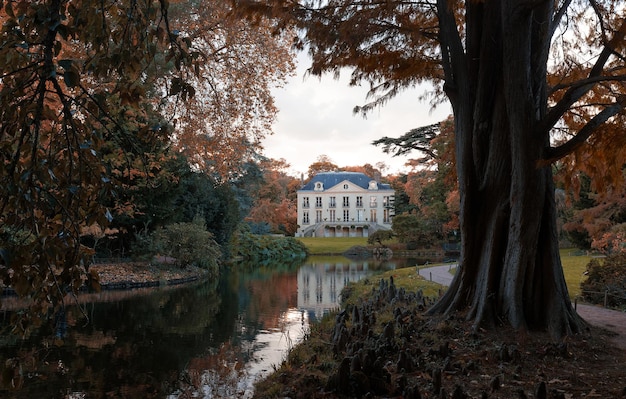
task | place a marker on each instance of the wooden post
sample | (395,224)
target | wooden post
(606,297)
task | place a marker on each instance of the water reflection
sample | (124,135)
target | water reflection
(208,340)
(320,283)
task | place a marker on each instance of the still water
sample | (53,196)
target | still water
(205,340)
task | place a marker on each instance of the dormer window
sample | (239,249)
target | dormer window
(319,186)
(373,185)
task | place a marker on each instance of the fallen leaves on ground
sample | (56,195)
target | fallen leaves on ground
(143,273)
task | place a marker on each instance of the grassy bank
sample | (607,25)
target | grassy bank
(331,245)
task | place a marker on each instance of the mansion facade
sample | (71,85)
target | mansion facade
(344,204)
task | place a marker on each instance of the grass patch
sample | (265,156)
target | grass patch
(573,269)
(331,245)
(406,278)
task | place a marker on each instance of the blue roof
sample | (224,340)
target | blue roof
(331,179)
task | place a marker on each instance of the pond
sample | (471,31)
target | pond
(207,340)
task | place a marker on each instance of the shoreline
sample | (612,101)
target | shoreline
(120,276)
(117,281)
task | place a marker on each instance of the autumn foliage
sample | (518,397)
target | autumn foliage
(97,101)
(222,125)
(72,96)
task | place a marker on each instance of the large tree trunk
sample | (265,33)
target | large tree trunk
(510,269)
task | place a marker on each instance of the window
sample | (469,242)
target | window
(346,215)
(332,202)
(386,216)
(360,215)
(359,202)
(319,186)
(305,217)
(386,201)
(332,215)
(346,201)
(318,216)
(345,186)
(305,202)
(373,215)
(373,201)
(318,202)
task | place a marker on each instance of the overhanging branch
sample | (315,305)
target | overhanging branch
(556,153)
(576,92)
(415,139)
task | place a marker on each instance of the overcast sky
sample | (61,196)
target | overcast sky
(316,118)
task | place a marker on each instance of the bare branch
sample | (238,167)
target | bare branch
(558,16)
(556,153)
(588,81)
(575,93)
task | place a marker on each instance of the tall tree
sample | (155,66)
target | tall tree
(515,72)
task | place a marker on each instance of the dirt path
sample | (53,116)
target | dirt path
(611,320)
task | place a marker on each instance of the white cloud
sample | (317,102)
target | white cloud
(316,118)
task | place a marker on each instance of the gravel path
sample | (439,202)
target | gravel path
(611,320)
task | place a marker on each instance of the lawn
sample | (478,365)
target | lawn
(573,269)
(331,245)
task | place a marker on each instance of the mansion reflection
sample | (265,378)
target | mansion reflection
(320,284)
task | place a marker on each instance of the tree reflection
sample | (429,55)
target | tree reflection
(201,340)
(130,348)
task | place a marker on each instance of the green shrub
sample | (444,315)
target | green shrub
(185,244)
(606,278)
(253,247)
(407,228)
(379,236)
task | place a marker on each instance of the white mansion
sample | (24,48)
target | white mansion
(344,204)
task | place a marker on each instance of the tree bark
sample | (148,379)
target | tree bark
(510,269)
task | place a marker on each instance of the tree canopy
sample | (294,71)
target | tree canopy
(97,100)
(72,81)
(221,127)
